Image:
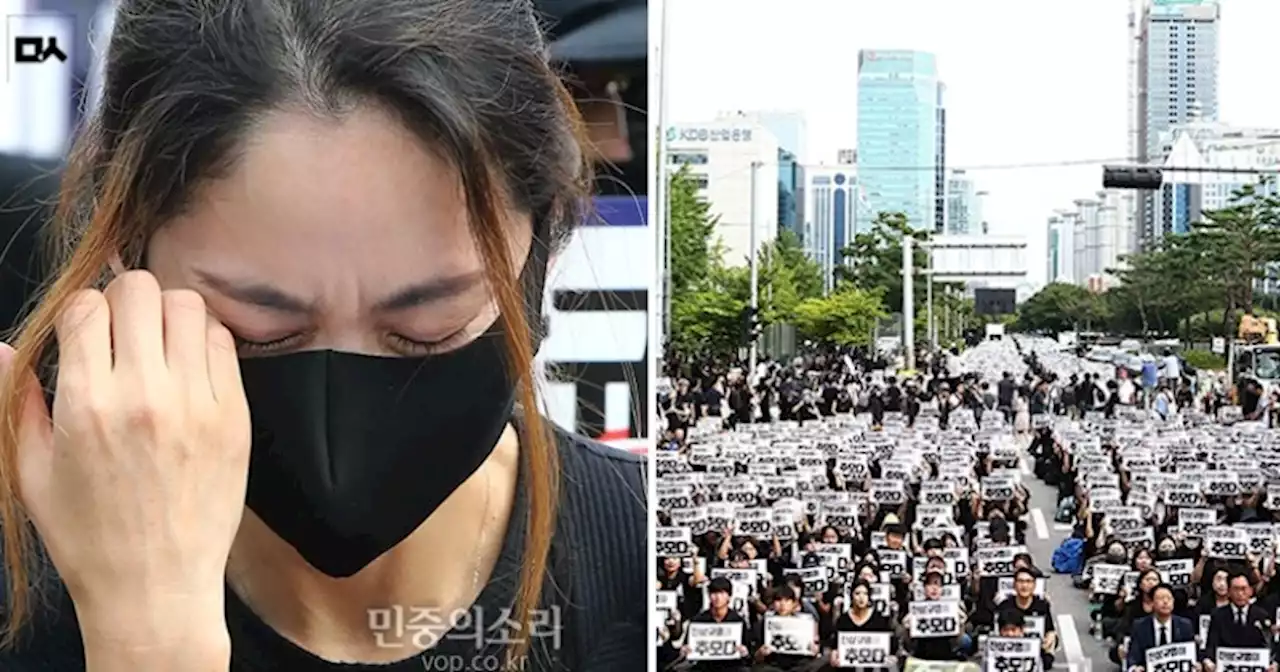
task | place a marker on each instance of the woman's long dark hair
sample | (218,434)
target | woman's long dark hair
(187,81)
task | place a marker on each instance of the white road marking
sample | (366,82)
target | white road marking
(1070,640)
(1037,519)
(1063,527)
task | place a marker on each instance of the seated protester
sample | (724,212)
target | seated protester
(860,617)
(786,604)
(1111,612)
(1239,624)
(895,534)
(796,584)
(672,577)
(938,648)
(1012,626)
(1161,628)
(718,593)
(669,634)
(1138,605)
(1216,596)
(985,588)
(1025,602)
(1025,561)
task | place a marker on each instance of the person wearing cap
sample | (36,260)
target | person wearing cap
(1025,601)
(719,591)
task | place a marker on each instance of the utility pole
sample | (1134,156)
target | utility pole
(908,303)
(753,260)
(661,216)
(930,329)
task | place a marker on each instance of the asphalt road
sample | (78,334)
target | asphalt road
(1078,651)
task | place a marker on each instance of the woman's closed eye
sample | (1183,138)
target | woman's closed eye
(397,343)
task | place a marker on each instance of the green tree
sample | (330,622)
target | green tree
(1237,243)
(1059,306)
(694,248)
(873,261)
(845,317)
(787,277)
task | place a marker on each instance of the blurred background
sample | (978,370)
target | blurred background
(596,354)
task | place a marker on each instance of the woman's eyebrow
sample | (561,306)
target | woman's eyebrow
(429,291)
(254,293)
(266,296)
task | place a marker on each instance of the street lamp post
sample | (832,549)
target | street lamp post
(753,259)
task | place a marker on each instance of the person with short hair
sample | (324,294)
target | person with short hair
(1161,628)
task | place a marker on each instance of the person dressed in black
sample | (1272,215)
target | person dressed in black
(861,616)
(301,208)
(1025,602)
(1005,391)
(876,406)
(1239,624)
(719,591)
(786,604)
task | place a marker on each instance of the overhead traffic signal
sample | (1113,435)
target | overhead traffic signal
(1132,177)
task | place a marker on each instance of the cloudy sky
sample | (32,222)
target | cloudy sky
(1028,82)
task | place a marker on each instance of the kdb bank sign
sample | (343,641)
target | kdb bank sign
(596,352)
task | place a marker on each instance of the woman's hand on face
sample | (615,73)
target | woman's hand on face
(137,483)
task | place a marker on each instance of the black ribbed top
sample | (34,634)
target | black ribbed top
(596,589)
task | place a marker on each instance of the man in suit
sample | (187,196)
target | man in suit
(1161,628)
(1238,624)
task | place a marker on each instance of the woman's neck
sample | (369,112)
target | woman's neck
(439,568)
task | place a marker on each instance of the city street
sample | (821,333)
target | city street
(1070,605)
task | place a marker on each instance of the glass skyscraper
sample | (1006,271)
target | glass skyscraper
(898,133)
(789,185)
(1177,83)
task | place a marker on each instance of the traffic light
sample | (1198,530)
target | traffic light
(751,326)
(1132,177)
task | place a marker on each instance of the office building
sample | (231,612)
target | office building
(1089,241)
(835,210)
(1175,81)
(722,157)
(1061,261)
(964,205)
(787,127)
(790,131)
(1187,195)
(940,166)
(790,186)
(898,133)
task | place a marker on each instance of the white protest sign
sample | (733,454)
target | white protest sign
(714,641)
(674,542)
(1179,657)
(1243,660)
(791,635)
(1013,654)
(935,618)
(864,649)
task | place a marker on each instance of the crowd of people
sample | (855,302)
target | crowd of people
(825,513)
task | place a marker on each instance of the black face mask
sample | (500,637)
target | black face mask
(351,453)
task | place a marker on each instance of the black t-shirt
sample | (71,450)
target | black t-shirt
(712,398)
(599,594)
